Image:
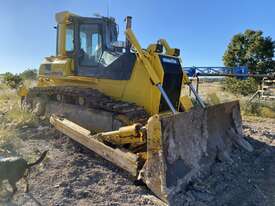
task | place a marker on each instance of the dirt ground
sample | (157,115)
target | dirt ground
(72,175)
(249,180)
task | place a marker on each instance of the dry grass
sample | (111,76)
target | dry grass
(210,90)
(267,112)
(6,135)
(3,86)
(212,99)
(259,108)
(19,116)
(10,106)
(214,93)
(12,116)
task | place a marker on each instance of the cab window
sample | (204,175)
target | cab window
(90,44)
(69,38)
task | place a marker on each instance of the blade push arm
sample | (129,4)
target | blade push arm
(142,56)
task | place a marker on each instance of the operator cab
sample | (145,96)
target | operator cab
(90,43)
(90,37)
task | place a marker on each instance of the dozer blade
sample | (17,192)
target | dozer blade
(182,147)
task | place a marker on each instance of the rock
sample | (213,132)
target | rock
(253,130)
(68,192)
(63,184)
(82,194)
(56,186)
(269,134)
(40,128)
(42,117)
(39,108)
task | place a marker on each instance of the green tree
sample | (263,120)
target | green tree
(29,74)
(251,49)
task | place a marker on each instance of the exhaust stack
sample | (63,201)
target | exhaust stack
(128,21)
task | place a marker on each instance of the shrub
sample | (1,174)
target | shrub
(243,87)
(30,74)
(12,80)
(267,112)
(262,109)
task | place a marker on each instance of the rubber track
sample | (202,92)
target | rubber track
(93,99)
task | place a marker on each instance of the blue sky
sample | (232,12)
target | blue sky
(200,28)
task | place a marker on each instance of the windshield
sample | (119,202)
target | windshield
(90,44)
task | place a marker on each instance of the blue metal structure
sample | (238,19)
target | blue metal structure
(217,71)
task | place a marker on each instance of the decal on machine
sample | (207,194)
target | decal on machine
(57,73)
(169,60)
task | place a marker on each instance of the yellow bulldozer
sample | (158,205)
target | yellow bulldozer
(126,104)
